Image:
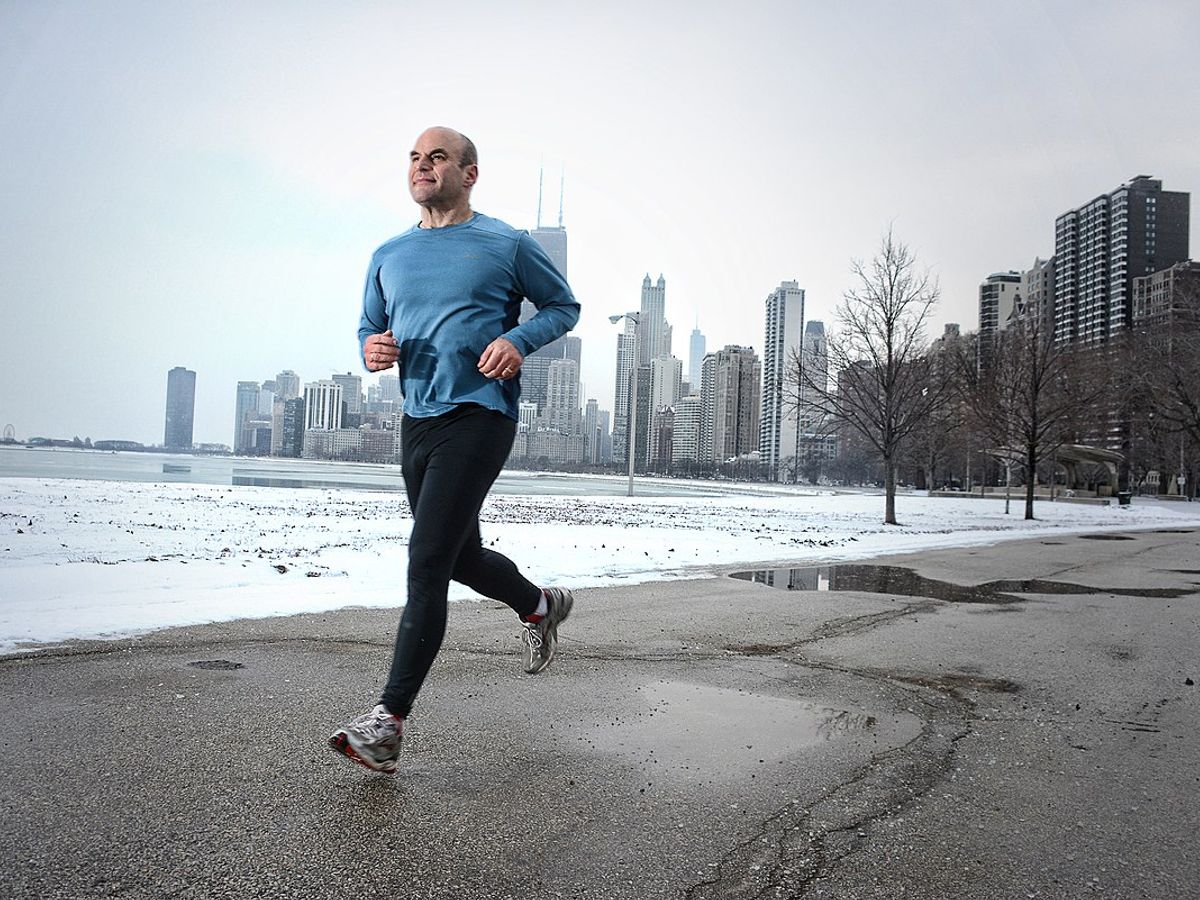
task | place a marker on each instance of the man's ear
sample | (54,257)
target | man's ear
(470,175)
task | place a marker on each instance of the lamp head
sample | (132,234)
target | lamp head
(615,319)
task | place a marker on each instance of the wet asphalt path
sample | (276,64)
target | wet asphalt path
(705,739)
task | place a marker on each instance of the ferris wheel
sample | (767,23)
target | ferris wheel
(10,433)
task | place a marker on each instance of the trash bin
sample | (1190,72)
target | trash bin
(1123,497)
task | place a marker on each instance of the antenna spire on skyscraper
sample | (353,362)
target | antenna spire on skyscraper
(541,172)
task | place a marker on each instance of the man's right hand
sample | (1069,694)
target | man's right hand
(380,351)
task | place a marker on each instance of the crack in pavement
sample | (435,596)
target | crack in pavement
(798,845)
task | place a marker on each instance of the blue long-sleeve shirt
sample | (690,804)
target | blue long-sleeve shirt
(446,293)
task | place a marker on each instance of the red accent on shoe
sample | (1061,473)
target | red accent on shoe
(532,618)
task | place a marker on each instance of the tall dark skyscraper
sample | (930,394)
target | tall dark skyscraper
(1099,248)
(535,372)
(181,409)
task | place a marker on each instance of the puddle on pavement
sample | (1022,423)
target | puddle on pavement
(875,580)
(1105,537)
(907,583)
(676,729)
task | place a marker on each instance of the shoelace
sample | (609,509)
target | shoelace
(375,725)
(531,635)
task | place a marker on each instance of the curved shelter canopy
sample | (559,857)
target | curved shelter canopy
(1069,456)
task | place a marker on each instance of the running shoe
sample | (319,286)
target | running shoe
(371,740)
(541,637)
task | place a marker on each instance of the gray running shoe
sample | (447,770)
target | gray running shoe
(372,740)
(541,638)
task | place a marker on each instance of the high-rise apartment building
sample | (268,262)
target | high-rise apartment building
(778,422)
(686,430)
(562,397)
(535,371)
(322,406)
(1037,296)
(999,302)
(1099,248)
(731,395)
(181,409)
(1167,298)
(245,411)
(999,299)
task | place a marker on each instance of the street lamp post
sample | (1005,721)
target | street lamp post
(631,430)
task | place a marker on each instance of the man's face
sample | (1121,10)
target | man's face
(435,175)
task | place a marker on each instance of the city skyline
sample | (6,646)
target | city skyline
(221,215)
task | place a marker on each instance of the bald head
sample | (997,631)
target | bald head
(463,146)
(443,168)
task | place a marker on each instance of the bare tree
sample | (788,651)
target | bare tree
(887,384)
(1163,387)
(1031,395)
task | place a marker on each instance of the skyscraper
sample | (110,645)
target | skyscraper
(695,359)
(625,366)
(686,430)
(1099,248)
(322,406)
(287,427)
(351,391)
(814,441)
(814,356)
(181,409)
(562,397)
(597,441)
(1037,296)
(287,385)
(999,300)
(654,334)
(666,381)
(535,370)
(245,411)
(731,398)
(779,425)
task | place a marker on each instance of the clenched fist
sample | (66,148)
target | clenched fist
(380,351)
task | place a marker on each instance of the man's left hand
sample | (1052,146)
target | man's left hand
(500,360)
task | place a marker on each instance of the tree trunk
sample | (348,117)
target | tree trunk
(1030,478)
(889,488)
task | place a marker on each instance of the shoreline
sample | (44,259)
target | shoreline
(89,559)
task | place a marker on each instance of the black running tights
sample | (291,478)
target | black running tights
(449,464)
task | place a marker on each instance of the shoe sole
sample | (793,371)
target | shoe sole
(339,743)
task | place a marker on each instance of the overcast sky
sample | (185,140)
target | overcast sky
(202,184)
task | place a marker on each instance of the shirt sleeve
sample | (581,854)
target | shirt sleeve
(544,286)
(374,319)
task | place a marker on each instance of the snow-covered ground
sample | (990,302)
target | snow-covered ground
(82,559)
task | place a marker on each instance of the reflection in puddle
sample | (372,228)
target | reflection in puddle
(694,730)
(907,583)
(263,481)
(875,580)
